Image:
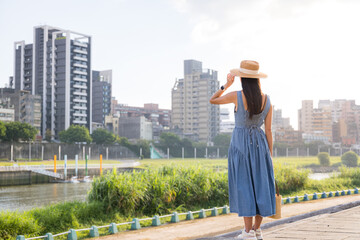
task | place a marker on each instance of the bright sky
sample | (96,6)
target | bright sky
(310,49)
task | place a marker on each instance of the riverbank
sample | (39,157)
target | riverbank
(161,190)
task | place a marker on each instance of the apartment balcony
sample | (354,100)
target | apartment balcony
(80,72)
(80,44)
(79,100)
(80,65)
(80,79)
(80,51)
(80,58)
(80,93)
(79,107)
(78,114)
(78,121)
(80,86)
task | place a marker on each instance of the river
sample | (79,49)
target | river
(37,195)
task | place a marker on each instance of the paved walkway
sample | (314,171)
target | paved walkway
(341,225)
(210,227)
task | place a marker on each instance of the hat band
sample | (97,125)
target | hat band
(247,71)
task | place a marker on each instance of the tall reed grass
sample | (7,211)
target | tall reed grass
(160,191)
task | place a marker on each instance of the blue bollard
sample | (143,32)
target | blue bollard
(94,231)
(288,200)
(296,199)
(189,216)
(323,195)
(337,194)
(72,235)
(356,191)
(136,224)
(49,236)
(342,193)
(113,228)
(202,213)
(156,221)
(315,196)
(214,212)
(175,217)
(20,237)
(306,198)
(349,192)
(225,210)
(330,194)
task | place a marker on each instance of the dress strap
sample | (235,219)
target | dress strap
(240,104)
(267,105)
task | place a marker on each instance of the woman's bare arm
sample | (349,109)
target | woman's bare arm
(227,98)
(268,132)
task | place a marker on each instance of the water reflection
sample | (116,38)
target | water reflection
(38,195)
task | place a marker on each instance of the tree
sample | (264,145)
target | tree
(74,134)
(48,135)
(170,140)
(28,132)
(222,140)
(102,136)
(2,130)
(17,130)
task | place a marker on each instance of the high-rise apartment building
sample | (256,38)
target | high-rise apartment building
(191,111)
(305,116)
(57,66)
(101,95)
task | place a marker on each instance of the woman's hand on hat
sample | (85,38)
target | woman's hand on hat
(230,80)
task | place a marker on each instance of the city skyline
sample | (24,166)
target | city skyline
(303,47)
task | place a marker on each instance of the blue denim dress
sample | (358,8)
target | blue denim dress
(251,174)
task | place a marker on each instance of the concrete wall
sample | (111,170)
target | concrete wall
(23,178)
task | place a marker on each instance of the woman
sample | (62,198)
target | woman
(250,169)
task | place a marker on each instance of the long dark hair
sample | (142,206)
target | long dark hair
(252,92)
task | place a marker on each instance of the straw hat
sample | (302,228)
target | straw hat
(248,69)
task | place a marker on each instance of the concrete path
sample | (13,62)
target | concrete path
(220,226)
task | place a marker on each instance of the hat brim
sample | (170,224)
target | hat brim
(237,72)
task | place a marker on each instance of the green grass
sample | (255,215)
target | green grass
(297,162)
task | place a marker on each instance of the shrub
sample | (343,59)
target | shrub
(324,159)
(350,173)
(349,159)
(15,223)
(290,179)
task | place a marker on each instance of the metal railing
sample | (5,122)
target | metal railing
(135,224)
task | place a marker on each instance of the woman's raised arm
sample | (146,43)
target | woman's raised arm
(227,98)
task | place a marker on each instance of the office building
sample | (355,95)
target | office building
(279,122)
(160,118)
(101,95)
(57,66)
(192,114)
(135,128)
